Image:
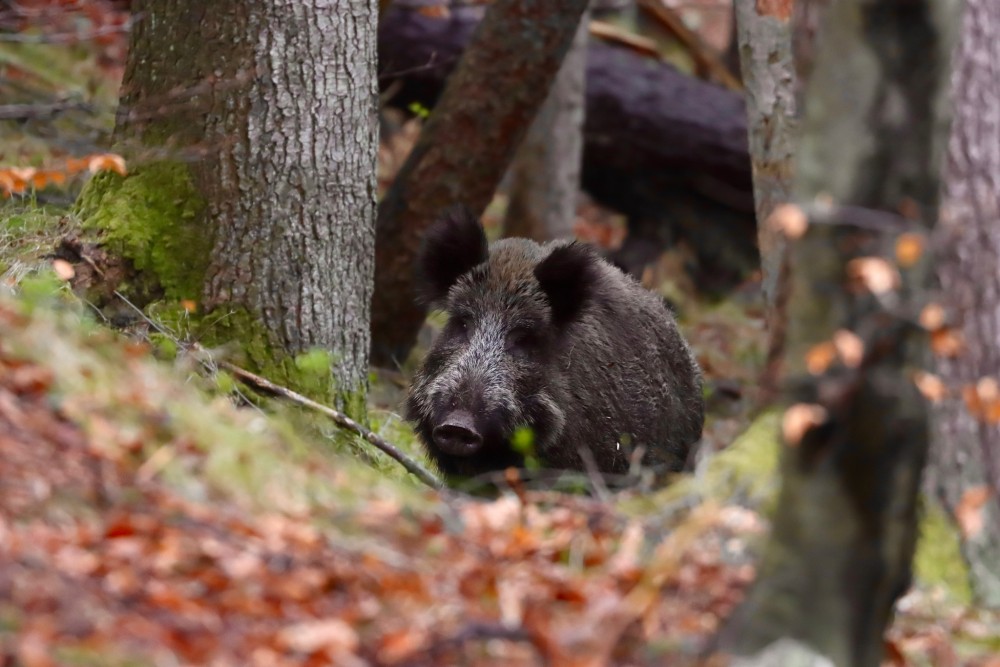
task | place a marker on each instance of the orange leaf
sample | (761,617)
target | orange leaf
(983,400)
(11,182)
(790,220)
(23,174)
(930,385)
(435,11)
(969,512)
(106,162)
(909,249)
(850,347)
(6,182)
(819,357)
(799,419)
(76,165)
(946,342)
(308,636)
(932,317)
(876,274)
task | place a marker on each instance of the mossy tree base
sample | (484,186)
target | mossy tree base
(145,237)
(249,209)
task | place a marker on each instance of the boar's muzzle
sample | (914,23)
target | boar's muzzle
(457,435)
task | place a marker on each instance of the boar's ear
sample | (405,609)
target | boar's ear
(568,277)
(452,246)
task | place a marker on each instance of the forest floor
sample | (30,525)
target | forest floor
(154,512)
(145,522)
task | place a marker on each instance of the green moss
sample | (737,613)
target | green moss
(938,560)
(239,337)
(152,217)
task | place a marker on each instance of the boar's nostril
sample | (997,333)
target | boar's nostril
(457,435)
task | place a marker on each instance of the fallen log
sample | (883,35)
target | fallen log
(667,150)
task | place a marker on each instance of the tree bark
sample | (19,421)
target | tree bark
(464,148)
(856,434)
(965,459)
(267,111)
(764,35)
(545,174)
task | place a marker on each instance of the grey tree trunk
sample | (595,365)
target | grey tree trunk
(268,111)
(764,36)
(856,434)
(545,174)
(965,458)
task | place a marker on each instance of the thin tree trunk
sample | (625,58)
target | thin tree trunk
(545,174)
(464,148)
(856,434)
(764,35)
(267,112)
(965,460)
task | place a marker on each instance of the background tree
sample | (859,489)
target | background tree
(965,461)
(253,128)
(545,173)
(763,35)
(856,434)
(464,148)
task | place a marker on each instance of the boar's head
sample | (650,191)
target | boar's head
(494,368)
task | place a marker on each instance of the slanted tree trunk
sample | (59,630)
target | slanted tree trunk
(545,174)
(964,471)
(665,149)
(856,432)
(254,129)
(764,36)
(464,148)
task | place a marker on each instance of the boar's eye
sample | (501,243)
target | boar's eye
(460,325)
(521,340)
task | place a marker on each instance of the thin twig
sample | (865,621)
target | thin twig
(41,110)
(339,418)
(67,37)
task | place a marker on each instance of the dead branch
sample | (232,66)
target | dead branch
(704,58)
(338,418)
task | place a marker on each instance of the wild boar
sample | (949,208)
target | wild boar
(552,338)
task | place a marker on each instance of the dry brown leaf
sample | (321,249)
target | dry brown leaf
(790,220)
(850,347)
(876,274)
(799,419)
(819,357)
(106,162)
(930,385)
(909,249)
(330,634)
(435,11)
(969,512)
(399,645)
(988,389)
(932,317)
(983,400)
(947,342)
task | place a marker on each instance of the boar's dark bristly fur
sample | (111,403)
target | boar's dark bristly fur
(553,338)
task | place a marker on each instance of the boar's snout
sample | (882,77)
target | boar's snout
(457,435)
